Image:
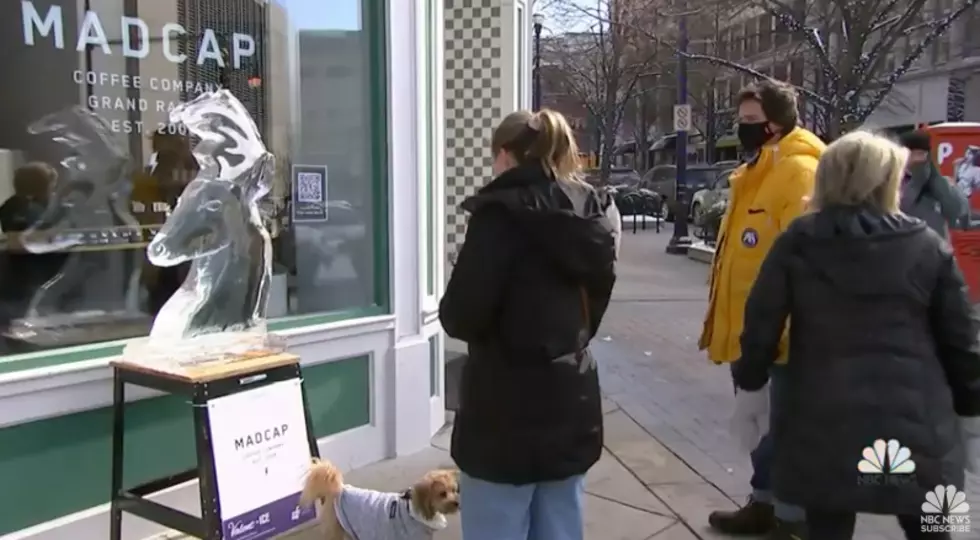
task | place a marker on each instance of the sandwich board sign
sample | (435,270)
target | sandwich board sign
(261,454)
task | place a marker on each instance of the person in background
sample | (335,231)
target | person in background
(768,192)
(24,272)
(927,194)
(608,204)
(528,291)
(883,346)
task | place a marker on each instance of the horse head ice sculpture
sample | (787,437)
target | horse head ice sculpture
(217,225)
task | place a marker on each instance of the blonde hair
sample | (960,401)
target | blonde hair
(860,168)
(543,136)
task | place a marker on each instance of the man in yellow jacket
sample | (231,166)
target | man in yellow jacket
(767,192)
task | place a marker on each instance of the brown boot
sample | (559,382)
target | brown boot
(754,519)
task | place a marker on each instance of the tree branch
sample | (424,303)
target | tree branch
(753,73)
(868,69)
(785,15)
(938,30)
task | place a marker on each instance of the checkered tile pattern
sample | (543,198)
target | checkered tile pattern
(473,71)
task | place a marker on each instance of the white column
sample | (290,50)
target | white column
(409,366)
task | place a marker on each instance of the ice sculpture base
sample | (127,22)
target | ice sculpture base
(207,349)
(77,328)
(204,373)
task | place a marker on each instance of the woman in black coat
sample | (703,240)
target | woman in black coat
(527,293)
(885,372)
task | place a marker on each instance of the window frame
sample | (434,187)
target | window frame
(376,28)
(430,95)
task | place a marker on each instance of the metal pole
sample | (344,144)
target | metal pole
(679,241)
(641,144)
(536,101)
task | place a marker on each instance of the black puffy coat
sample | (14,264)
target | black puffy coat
(529,289)
(883,345)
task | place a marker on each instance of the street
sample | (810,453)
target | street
(651,368)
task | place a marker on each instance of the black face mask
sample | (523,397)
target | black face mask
(753,136)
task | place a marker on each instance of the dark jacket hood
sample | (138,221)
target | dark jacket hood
(860,250)
(562,219)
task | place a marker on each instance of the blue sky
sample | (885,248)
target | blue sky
(324,14)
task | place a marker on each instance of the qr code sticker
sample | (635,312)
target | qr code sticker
(309,187)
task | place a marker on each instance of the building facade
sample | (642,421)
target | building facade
(944,85)
(487,76)
(936,89)
(353,89)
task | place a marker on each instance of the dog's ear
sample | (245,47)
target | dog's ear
(423,495)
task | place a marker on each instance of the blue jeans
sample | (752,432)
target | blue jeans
(544,511)
(762,456)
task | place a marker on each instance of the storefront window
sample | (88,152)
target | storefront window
(311,76)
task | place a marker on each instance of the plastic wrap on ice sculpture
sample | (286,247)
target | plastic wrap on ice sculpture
(219,311)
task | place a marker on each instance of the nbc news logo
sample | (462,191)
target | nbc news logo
(945,511)
(886,463)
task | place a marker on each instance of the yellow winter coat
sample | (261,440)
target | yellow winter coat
(764,198)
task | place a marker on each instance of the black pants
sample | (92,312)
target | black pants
(824,525)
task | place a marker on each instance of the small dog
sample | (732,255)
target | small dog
(350,513)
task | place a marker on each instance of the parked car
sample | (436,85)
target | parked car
(663,180)
(618,176)
(706,198)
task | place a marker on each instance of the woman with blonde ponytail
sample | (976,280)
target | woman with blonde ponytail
(529,289)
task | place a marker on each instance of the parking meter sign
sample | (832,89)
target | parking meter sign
(682,117)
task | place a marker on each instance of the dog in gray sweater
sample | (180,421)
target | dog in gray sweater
(350,513)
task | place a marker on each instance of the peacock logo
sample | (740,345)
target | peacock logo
(945,511)
(886,457)
(945,500)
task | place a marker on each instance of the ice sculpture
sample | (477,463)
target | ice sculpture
(87,221)
(219,311)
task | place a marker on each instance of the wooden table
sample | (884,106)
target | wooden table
(200,383)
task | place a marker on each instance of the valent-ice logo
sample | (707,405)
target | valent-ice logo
(945,511)
(886,462)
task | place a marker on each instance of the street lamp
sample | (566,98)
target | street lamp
(679,240)
(538,19)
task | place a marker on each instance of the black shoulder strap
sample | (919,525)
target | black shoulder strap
(587,319)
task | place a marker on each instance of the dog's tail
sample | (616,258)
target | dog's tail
(324,481)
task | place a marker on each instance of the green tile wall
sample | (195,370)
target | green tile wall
(58,466)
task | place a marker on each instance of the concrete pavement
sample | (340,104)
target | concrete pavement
(650,366)
(669,460)
(622,501)
(637,491)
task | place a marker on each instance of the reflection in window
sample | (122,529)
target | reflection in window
(130,62)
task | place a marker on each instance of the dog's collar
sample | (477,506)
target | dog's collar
(437,523)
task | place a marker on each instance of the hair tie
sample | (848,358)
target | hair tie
(534,123)
(523,141)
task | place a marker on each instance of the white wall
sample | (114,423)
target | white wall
(403,415)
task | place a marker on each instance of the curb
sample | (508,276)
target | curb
(701,252)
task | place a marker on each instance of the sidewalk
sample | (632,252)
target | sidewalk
(638,491)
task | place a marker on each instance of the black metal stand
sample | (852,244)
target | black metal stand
(133,500)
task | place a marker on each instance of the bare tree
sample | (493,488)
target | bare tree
(857,50)
(599,60)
